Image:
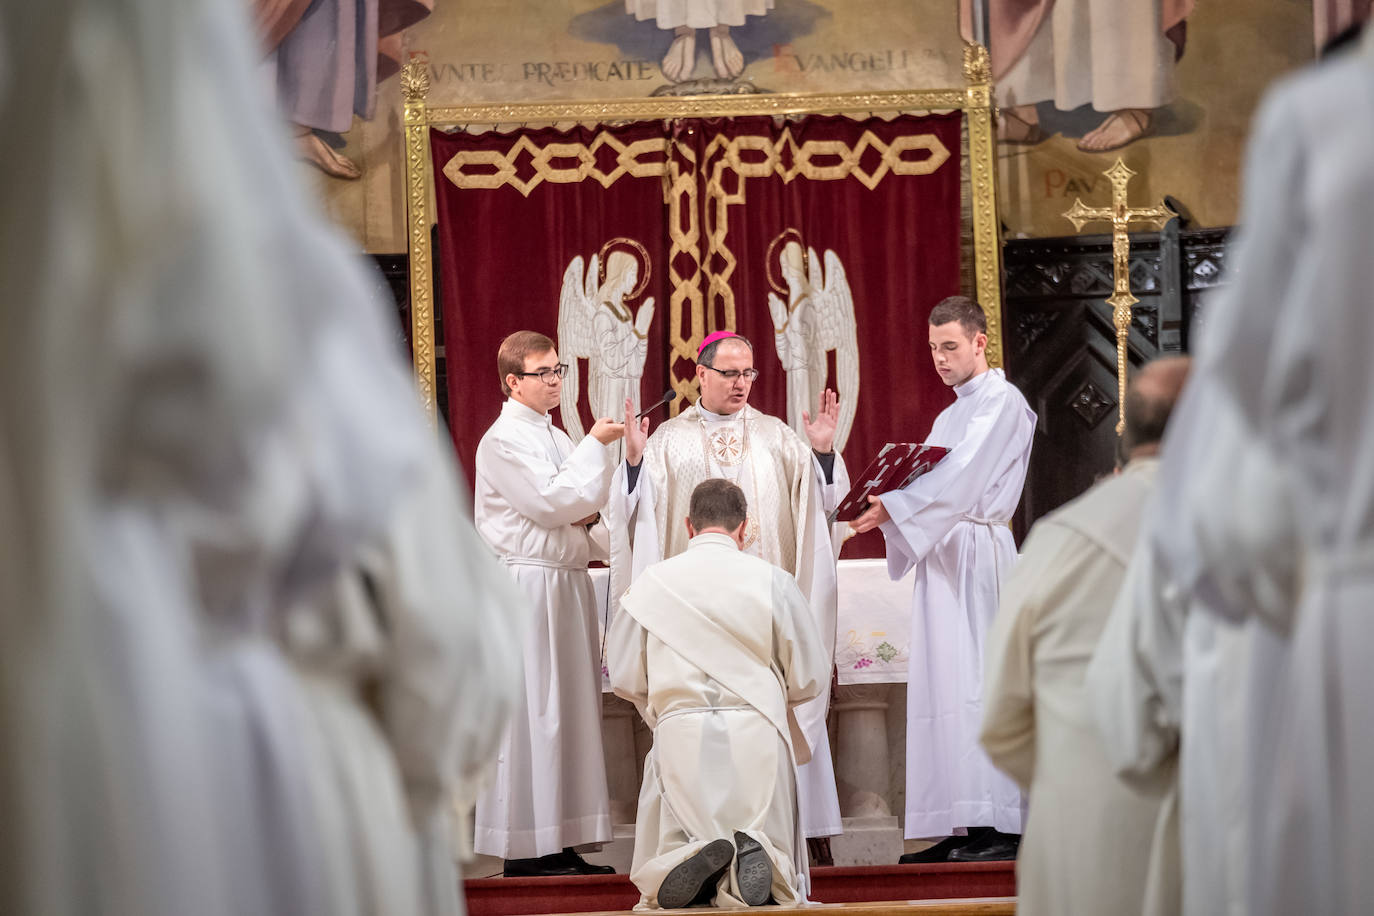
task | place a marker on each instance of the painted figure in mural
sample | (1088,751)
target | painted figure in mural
(1330,18)
(1117,55)
(325,58)
(685,17)
(816,317)
(596,324)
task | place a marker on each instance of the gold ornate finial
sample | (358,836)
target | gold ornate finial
(977,64)
(1123,218)
(415,79)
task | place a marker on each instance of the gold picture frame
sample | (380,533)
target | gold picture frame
(974,99)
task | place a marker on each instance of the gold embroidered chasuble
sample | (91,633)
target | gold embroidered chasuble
(761,454)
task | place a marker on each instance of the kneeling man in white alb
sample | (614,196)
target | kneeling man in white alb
(715,648)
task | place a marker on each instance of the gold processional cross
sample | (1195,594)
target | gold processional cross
(1121,217)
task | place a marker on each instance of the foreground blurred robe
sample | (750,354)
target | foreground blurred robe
(171,473)
(715,648)
(1294,359)
(409,681)
(1171,666)
(1088,834)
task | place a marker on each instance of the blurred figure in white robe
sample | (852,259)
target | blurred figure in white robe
(1088,833)
(203,419)
(1290,356)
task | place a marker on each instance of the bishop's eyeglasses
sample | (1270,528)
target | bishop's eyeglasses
(733,375)
(548,375)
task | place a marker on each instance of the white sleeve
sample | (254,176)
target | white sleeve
(1134,682)
(455,618)
(924,512)
(1008,729)
(799,647)
(625,659)
(550,495)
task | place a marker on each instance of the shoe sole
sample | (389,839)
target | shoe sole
(687,878)
(753,870)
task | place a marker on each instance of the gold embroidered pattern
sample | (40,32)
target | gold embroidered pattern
(734,159)
(558,163)
(726,447)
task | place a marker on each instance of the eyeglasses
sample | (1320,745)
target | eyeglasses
(547,375)
(731,375)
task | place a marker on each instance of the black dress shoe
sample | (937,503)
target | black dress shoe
(993,846)
(553,864)
(753,871)
(582,865)
(696,874)
(940,852)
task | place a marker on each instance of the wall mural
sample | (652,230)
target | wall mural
(1169,85)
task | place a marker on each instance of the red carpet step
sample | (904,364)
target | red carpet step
(603,893)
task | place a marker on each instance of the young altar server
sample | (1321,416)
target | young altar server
(716,648)
(536,503)
(951,526)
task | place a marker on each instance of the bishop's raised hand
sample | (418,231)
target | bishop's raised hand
(636,435)
(822,431)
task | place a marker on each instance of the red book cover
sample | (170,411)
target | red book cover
(898,464)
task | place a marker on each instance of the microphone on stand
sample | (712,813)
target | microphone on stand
(667,397)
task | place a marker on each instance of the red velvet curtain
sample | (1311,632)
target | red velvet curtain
(897,237)
(504,250)
(713,203)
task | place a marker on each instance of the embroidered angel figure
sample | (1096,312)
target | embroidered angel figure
(817,316)
(595,324)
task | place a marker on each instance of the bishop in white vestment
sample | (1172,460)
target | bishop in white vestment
(1089,834)
(789,493)
(716,648)
(951,526)
(536,503)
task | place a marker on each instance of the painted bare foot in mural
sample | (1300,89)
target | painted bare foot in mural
(725,54)
(1020,125)
(315,151)
(681,58)
(1120,128)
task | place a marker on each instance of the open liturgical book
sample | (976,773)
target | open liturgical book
(898,464)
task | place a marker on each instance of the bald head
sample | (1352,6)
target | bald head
(1149,401)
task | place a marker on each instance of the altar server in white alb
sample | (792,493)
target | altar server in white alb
(790,485)
(537,500)
(951,526)
(715,648)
